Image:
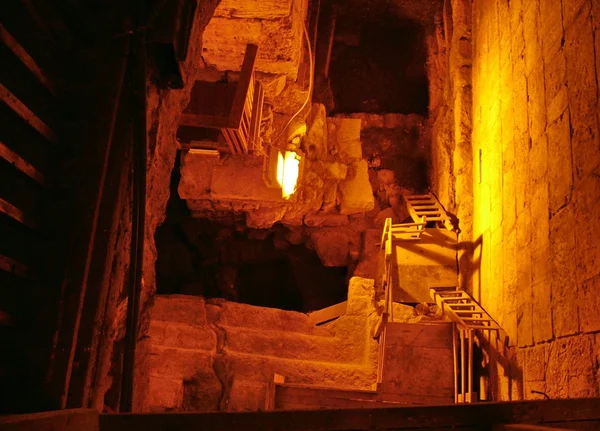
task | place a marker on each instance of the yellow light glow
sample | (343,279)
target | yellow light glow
(288,169)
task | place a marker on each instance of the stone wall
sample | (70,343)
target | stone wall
(536,161)
(215,355)
(450,112)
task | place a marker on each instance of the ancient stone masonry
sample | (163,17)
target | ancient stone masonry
(536,160)
(215,355)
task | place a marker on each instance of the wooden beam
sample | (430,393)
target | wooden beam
(329,313)
(24,112)
(239,100)
(476,416)
(26,59)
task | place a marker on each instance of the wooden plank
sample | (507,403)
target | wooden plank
(25,86)
(18,21)
(329,313)
(7,39)
(524,427)
(24,141)
(21,164)
(22,194)
(65,420)
(235,116)
(25,113)
(481,415)
(20,243)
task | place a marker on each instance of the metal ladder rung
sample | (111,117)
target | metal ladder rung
(485,328)
(418,197)
(477,319)
(449,292)
(459,312)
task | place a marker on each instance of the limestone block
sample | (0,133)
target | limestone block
(324,374)
(279,38)
(233,314)
(196,174)
(356,192)
(291,345)
(240,178)
(178,363)
(589,304)
(182,335)
(587,219)
(259,9)
(179,308)
(164,394)
(361,292)
(535,363)
(316,138)
(542,318)
(344,136)
(247,396)
(565,317)
(560,173)
(202,392)
(273,85)
(524,324)
(317,219)
(265,217)
(583,100)
(332,245)
(536,102)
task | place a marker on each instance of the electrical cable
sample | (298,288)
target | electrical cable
(310,83)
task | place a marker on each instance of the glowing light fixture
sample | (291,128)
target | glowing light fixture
(288,170)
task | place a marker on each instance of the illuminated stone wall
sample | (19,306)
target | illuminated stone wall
(536,181)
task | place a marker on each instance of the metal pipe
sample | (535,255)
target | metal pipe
(138,106)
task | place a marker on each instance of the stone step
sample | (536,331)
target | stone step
(233,314)
(326,374)
(182,335)
(293,345)
(176,363)
(195,310)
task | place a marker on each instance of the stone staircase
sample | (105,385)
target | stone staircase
(215,355)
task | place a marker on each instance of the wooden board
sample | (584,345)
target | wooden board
(418,361)
(329,313)
(473,416)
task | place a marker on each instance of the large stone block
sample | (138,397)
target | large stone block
(164,394)
(344,138)
(531,31)
(551,33)
(542,316)
(257,9)
(565,316)
(279,38)
(537,102)
(560,172)
(179,308)
(556,91)
(583,95)
(196,174)
(333,245)
(587,219)
(589,304)
(183,335)
(176,363)
(356,192)
(240,178)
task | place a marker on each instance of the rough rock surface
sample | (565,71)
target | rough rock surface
(276,27)
(218,355)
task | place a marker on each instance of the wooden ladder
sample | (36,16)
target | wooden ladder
(428,206)
(473,325)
